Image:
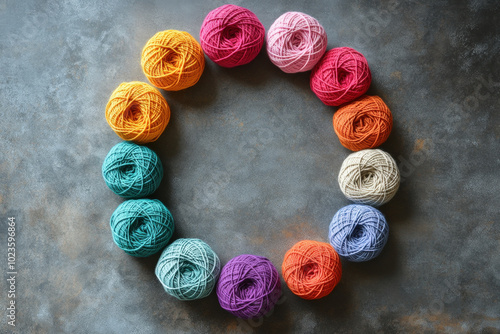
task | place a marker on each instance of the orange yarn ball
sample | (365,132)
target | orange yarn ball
(311,269)
(363,123)
(173,60)
(136,111)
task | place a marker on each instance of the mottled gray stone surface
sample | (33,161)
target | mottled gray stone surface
(251,160)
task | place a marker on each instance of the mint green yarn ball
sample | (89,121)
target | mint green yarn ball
(142,227)
(188,269)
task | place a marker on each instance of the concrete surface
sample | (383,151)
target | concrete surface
(251,160)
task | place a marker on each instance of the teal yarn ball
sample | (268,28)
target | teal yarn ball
(142,227)
(132,171)
(188,269)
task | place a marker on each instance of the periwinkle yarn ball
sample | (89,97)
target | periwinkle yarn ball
(188,269)
(141,227)
(231,35)
(370,177)
(341,76)
(296,42)
(249,286)
(358,232)
(131,170)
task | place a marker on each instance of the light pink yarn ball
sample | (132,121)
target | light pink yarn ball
(296,42)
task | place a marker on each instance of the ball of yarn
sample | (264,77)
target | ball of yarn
(231,36)
(188,269)
(141,227)
(131,170)
(363,123)
(173,60)
(311,269)
(358,232)
(369,176)
(296,42)
(249,286)
(340,76)
(136,111)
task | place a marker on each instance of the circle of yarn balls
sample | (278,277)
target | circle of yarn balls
(136,111)
(369,176)
(131,170)
(296,42)
(173,60)
(188,269)
(358,232)
(141,227)
(231,36)
(340,76)
(363,123)
(311,269)
(249,286)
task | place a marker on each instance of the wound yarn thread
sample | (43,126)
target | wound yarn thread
(131,170)
(141,227)
(358,232)
(363,123)
(173,60)
(231,35)
(138,112)
(296,42)
(249,286)
(340,76)
(311,269)
(188,269)
(369,176)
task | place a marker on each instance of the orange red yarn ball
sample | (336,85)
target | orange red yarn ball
(363,123)
(137,112)
(173,60)
(311,269)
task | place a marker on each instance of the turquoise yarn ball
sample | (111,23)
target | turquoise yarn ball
(141,227)
(132,171)
(188,269)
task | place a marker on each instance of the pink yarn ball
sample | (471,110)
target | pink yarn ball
(231,36)
(341,76)
(296,42)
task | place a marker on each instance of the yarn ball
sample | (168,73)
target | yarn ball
(340,76)
(369,176)
(188,269)
(231,36)
(296,42)
(173,60)
(311,269)
(363,123)
(131,170)
(358,232)
(141,227)
(136,111)
(249,286)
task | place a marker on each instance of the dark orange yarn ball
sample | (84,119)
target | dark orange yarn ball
(363,123)
(311,269)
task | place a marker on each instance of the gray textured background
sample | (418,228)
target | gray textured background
(251,160)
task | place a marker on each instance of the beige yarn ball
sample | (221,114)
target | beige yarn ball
(369,177)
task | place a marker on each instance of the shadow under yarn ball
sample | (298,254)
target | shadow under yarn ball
(249,286)
(141,227)
(131,170)
(188,269)
(358,232)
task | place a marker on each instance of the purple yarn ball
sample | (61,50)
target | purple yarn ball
(249,286)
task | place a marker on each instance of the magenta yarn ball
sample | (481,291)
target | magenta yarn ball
(296,42)
(231,36)
(341,76)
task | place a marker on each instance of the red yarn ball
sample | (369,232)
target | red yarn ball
(341,76)
(231,36)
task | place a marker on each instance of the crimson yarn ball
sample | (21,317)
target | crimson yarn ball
(231,36)
(341,76)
